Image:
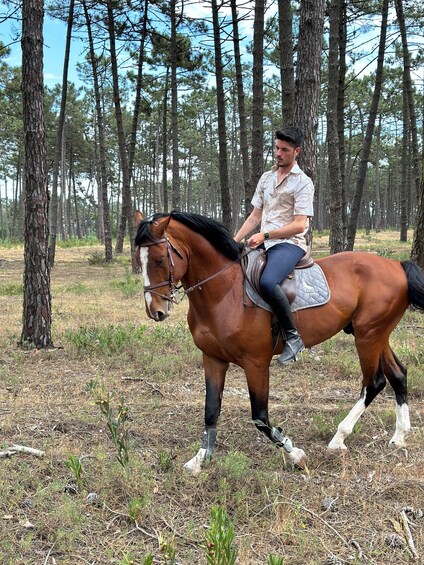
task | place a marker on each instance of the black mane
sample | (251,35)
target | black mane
(215,232)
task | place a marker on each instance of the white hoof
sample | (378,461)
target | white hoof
(397,442)
(336,447)
(194,466)
(297,457)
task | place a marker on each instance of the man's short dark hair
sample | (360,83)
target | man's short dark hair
(291,134)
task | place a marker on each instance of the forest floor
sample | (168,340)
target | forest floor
(78,504)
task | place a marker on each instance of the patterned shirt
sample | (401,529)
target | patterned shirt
(279,203)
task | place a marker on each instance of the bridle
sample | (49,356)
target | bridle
(173,288)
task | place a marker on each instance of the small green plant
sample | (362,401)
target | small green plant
(77,288)
(108,340)
(11,289)
(135,507)
(74,465)
(385,252)
(165,460)
(96,258)
(219,547)
(130,286)
(274,560)
(115,420)
(167,549)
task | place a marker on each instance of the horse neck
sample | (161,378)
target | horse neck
(203,261)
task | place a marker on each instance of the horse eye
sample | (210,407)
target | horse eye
(160,262)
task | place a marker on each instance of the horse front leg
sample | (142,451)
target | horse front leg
(258,383)
(215,371)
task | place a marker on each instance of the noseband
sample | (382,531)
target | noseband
(170,282)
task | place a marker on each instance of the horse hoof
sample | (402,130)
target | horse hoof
(336,451)
(397,444)
(297,458)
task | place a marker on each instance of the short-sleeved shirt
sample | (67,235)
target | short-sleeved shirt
(279,203)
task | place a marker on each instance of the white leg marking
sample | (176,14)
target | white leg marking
(403,426)
(346,426)
(194,466)
(144,255)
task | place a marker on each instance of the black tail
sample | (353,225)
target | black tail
(415,283)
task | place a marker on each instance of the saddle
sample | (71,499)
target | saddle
(305,287)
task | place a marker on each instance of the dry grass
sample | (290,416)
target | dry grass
(347,510)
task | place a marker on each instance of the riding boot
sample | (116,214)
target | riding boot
(293,342)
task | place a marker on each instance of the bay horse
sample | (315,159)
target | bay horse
(369,296)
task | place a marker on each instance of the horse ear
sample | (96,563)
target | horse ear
(137,218)
(158,227)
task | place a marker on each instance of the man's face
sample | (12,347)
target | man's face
(285,154)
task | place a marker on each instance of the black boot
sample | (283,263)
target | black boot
(293,343)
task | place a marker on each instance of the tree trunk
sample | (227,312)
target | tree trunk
(222,130)
(126,179)
(377,177)
(285,31)
(308,81)
(107,228)
(59,137)
(165,144)
(334,168)
(176,196)
(417,252)
(366,146)
(258,93)
(403,189)
(244,143)
(341,109)
(36,329)
(407,81)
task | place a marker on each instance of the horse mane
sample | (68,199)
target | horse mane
(215,232)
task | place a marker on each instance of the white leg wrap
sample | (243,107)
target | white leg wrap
(346,426)
(195,465)
(403,426)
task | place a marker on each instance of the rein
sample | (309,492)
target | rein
(170,282)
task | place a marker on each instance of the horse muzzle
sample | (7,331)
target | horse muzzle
(156,309)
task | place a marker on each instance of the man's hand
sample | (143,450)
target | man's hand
(255,240)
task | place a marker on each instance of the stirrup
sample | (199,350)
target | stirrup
(291,349)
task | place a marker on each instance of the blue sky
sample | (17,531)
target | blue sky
(54,51)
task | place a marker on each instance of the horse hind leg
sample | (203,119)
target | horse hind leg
(397,376)
(368,393)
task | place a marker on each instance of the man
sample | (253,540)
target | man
(283,203)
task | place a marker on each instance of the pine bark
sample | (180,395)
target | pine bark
(258,93)
(308,81)
(59,138)
(366,146)
(36,329)
(244,143)
(222,129)
(285,32)
(107,228)
(334,167)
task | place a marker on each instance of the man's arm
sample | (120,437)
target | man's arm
(250,224)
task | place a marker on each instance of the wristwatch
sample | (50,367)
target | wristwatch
(266,235)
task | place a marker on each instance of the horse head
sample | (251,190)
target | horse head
(156,255)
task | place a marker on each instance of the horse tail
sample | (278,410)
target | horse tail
(415,279)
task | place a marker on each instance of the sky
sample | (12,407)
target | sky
(54,50)
(55,39)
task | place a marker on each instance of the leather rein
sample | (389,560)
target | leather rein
(171,297)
